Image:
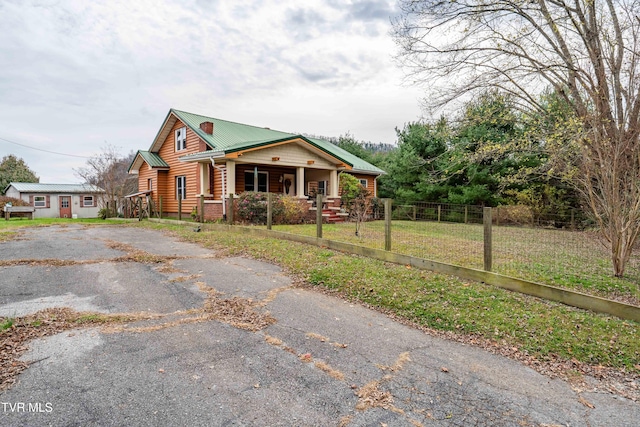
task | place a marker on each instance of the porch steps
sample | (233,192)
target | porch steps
(333,215)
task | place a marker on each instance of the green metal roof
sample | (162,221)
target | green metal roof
(31,187)
(229,137)
(153,159)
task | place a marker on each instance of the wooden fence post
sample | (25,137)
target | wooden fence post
(573,220)
(160,211)
(230,209)
(269,211)
(202,208)
(387,224)
(486,219)
(415,212)
(466,214)
(179,207)
(319,216)
(439,209)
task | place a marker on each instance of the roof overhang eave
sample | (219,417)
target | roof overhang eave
(204,155)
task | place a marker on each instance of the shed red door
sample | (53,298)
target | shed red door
(65,206)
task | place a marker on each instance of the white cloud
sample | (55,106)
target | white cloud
(77,74)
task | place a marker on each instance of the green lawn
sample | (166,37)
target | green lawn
(536,327)
(572,260)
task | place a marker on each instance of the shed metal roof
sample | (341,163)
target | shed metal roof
(32,187)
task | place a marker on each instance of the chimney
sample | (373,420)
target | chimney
(207,127)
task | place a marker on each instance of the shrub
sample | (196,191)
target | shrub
(513,214)
(292,213)
(103,213)
(251,207)
(15,202)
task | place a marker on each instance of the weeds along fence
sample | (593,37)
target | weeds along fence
(562,250)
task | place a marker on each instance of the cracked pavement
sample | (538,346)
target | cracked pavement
(323,361)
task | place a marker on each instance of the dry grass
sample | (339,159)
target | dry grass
(47,262)
(398,364)
(334,373)
(6,236)
(181,279)
(236,311)
(168,268)
(271,295)
(273,340)
(370,396)
(16,333)
(316,337)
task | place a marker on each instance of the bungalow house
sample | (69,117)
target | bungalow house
(57,200)
(194,156)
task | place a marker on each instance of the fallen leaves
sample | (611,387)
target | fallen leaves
(17,332)
(370,396)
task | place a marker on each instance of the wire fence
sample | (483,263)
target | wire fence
(562,250)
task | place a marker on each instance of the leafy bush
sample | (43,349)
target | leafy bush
(293,211)
(251,207)
(513,214)
(103,213)
(15,202)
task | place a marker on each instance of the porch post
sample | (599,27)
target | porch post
(333,184)
(231,177)
(300,183)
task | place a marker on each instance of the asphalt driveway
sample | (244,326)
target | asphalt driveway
(231,341)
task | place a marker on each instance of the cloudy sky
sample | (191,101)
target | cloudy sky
(78,74)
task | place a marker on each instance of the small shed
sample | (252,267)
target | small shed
(57,200)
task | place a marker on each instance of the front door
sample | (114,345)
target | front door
(65,206)
(288,184)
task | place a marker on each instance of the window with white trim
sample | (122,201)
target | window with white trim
(364,182)
(181,139)
(181,187)
(322,187)
(87,201)
(256,181)
(39,202)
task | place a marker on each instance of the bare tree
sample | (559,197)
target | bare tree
(109,171)
(586,51)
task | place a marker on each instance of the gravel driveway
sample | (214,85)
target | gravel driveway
(218,341)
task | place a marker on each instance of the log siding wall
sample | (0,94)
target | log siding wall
(167,179)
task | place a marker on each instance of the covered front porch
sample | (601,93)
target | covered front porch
(217,181)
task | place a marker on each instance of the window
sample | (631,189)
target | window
(256,181)
(363,182)
(150,184)
(87,201)
(322,187)
(181,139)
(181,187)
(39,202)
